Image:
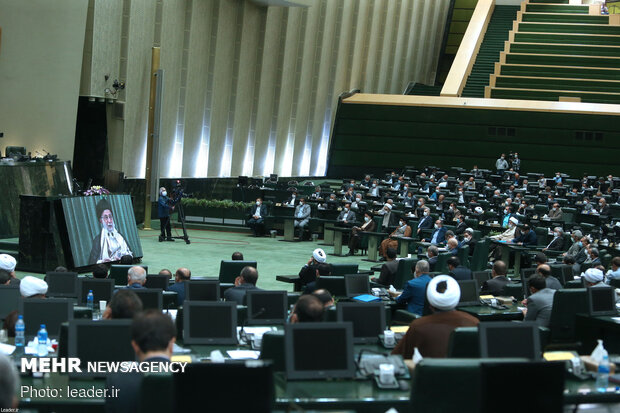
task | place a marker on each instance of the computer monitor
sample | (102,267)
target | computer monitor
(151,298)
(61,284)
(157,281)
(217,385)
(333,284)
(118,272)
(230,269)
(355,285)
(319,350)
(209,322)
(49,311)
(102,289)
(266,307)
(9,299)
(481,276)
(538,375)
(507,339)
(601,301)
(202,290)
(527,272)
(470,293)
(368,320)
(93,341)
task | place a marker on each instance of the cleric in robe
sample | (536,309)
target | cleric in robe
(109,244)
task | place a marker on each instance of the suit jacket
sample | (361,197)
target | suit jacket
(494,286)
(425,223)
(472,244)
(441,235)
(349,215)
(539,307)
(461,273)
(292,201)
(431,333)
(555,215)
(460,228)
(528,239)
(556,244)
(553,283)
(431,263)
(237,293)
(414,294)
(305,211)
(263,210)
(179,288)
(129,387)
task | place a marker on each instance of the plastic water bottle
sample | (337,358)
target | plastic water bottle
(42,345)
(602,378)
(90,299)
(20,331)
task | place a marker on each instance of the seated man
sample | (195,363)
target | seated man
(388,270)
(527,237)
(123,304)
(315,267)
(431,253)
(539,304)
(439,234)
(495,286)
(32,287)
(426,222)
(244,282)
(8,264)
(369,225)
(469,240)
(551,282)
(152,337)
(325,297)
(100,271)
(557,243)
(555,213)
(136,277)
(509,234)
(346,216)
(458,271)
(182,275)
(237,256)
(415,290)
(403,230)
(308,309)
(302,216)
(594,277)
(453,246)
(257,218)
(9,385)
(430,334)
(614,272)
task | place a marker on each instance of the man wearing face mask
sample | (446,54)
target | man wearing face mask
(501,165)
(509,234)
(403,230)
(557,243)
(346,216)
(507,215)
(587,206)
(439,234)
(302,216)
(468,239)
(257,218)
(419,211)
(358,204)
(574,248)
(369,225)
(426,222)
(163,212)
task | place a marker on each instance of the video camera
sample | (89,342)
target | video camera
(178,192)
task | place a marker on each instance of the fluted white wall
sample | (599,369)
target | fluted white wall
(252,90)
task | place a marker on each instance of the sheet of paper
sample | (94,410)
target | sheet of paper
(399,329)
(181,359)
(243,354)
(558,355)
(6,349)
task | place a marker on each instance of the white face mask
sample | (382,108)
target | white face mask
(556,234)
(358,199)
(366,219)
(554,209)
(346,209)
(301,203)
(258,203)
(425,213)
(164,193)
(401,223)
(419,202)
(374,185)
(436,226)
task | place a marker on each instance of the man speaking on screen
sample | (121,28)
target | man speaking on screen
(109,244)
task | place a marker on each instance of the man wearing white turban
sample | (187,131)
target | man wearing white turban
(430,334)
(32,287)
(594,277)
(7,270)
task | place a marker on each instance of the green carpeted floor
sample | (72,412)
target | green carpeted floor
(208,248)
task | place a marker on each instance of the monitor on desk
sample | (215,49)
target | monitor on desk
(157,281)
(602,301)
(209,322)
(507,339)
(61,284)
(202,290)
(93,341)
(481,276)
(266,307)
(49,311)
(355,285)
(118,272)
(319,350)
(216,386)
(102,289)
(9,299)
(150,297)
(368,320)
(470,293)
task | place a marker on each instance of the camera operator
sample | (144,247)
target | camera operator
(164,207)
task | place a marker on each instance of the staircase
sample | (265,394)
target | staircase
(492,45)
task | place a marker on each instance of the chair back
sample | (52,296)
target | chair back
(342,269)
(230,269)
(480,258)
(404,272)
(464,343)
(566,304)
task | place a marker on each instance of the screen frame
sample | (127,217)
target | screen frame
(188,287)
(66,301)
(81,295)
(159,293)
(289,352)
(351,278)
(476,288)
(188,339)
(51,274)
(250,320)
(382,319)
(113,276)
(483,328)
(157,277)
(612,298)
(72,348)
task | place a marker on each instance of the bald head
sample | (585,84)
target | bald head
(182,274)
(544,270)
